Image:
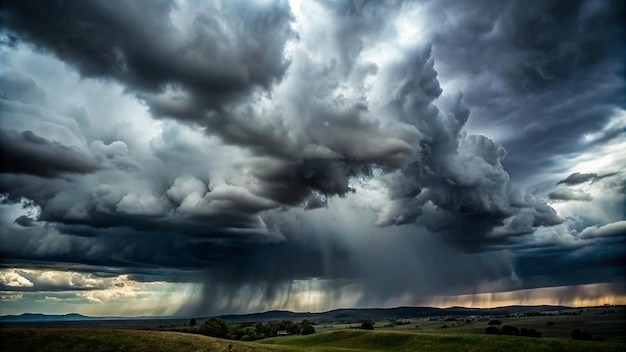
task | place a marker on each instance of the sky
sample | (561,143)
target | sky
(207,157)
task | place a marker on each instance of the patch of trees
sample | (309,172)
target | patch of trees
(530,333)
(396,323)
(214,327)
(513,331)
(510,330)
(307,328)
(578,334)
(401,322)
(254,331)
(367,325)
(492,330)
(571,312)
(534,314)
(495,322)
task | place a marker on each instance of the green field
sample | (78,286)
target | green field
(112,340)
(359,340)
(609,326)
(100,340)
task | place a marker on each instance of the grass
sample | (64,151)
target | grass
(105,340)
(355,340)
(110,340)
(610,327)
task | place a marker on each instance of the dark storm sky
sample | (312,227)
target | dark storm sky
(380,152)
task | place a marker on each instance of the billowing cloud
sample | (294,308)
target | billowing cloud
(617,228)
(28,153)
(249,148)
(36,280)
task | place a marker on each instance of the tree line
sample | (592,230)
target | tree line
(215,327)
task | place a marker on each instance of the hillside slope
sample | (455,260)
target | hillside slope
(105,340)
(359,340)
(109,340)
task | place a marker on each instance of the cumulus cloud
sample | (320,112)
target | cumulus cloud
(14,279)
(617,228)
(38,280)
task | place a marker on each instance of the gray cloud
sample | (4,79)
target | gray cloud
(458,180)
(613,229)
(26,152)
(210,56)
(568,194)
(577,178)
(529,69)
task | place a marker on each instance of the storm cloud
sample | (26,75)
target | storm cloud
(577,178)
(247,147)
(30,154)
(568,194)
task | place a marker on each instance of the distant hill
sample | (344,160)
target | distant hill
(336,315)
(359,314)
(32,317)
(38,317)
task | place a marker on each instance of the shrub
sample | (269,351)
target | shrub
(578,334)
(214,327)
(492,330)
(495,322)
(307,327)
(367,325)
(530,333)
(510,330)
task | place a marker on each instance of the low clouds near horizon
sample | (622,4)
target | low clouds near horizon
(308,155)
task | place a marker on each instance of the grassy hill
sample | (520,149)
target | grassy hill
(110,340)
(358,340)
(105,340)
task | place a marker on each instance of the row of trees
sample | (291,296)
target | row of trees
(578,334)
(253,331)
(512,330)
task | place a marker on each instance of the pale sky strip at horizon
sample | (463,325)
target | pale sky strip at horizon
(185,157)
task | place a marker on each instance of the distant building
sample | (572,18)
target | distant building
(282,333)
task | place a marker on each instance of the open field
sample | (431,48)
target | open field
(359,340)
(104,340)
(112,340)
(610,325)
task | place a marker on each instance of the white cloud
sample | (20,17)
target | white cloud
(617,228)
(14,279)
